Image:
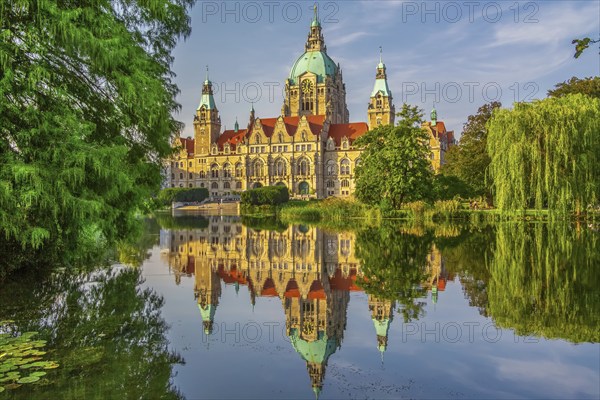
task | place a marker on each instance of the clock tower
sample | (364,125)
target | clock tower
(315,85)
(207,122)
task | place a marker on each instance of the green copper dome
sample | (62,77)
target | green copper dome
(208,315)
(317,62)
(317,351)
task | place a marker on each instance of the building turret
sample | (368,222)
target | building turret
(381,106)
(382,313)
(207,122)
(315,85)
(433,116)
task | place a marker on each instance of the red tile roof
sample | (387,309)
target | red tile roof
(232,137)
(188,144)
(352,131)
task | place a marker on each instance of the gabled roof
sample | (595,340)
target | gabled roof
(232,137)
(188,144)
(315,124)
(352,131)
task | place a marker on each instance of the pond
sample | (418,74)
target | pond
(230,307)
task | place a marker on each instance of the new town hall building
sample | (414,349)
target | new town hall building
(309,148)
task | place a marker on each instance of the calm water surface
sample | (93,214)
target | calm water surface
(225,307)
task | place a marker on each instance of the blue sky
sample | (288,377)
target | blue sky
(459,54)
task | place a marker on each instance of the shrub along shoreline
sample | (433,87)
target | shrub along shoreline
(342,211)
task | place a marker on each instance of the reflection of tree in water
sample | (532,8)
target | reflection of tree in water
(394,266)
(544,280)
(104,330)
(465,256)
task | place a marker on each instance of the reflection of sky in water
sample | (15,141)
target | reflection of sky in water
(451,352)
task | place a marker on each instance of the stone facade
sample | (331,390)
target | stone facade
(309,148)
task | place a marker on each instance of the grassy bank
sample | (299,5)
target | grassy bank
(341,212)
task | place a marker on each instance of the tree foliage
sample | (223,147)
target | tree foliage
(169,195)
(546,154)
(266,195)
(589,86)
(469,160)
(85,114)
(395,165)
(582,45)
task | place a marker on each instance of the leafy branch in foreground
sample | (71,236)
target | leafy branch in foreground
(86,105)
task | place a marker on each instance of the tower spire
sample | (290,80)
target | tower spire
(315,41)
(380,55)
(206,81)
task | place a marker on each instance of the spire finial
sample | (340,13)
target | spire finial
(316,12)
(380,55)
(207,72)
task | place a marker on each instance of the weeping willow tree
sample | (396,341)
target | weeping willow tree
(546,155)
(544,279)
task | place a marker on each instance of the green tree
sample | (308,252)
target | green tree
(589,86)
(395,165)
(85,115)
(582,44)
(546,154)
(469,160)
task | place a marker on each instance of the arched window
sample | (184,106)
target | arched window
(214,171)
(238,185)
(214,185)
(345,167)
(357,162)
(280,169)
(191,185)
(280,137)
(330,168)
(226,185)
(180,175)
(303,167)
(227,170)
(330,184)
(202,174)
(379,101)
(238,170)
(303,187)
(257,139)
(304,136)
(345,183)
(257,168)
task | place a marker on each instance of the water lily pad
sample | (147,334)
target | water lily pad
(12,386)
(38,373)
(7,367)
(29,379)
(1,389)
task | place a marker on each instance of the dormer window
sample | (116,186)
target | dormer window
(345,143)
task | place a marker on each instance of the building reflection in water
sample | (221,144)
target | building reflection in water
(311,270)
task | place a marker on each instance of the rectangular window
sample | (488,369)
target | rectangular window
(297,147)
(303,147)
(308,147)
(285,148)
